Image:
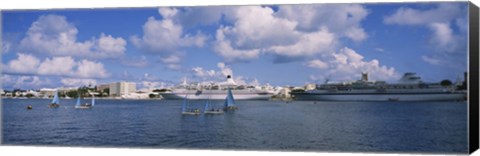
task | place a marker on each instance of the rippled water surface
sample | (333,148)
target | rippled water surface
(436,127)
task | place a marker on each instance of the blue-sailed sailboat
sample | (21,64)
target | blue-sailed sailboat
(208,110)
(189,111)
(78,105)
(230,102)
(56,101)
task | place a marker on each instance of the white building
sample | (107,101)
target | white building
(310,86)
(122,88)
(47,92)
(102,87)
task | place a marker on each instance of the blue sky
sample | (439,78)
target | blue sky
(280,45)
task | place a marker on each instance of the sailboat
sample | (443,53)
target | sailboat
(189,111)
(208,110)
(230,102)
(78,105)
(56,101)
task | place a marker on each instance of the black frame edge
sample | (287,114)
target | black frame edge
(473,78)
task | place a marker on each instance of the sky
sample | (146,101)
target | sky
(282,45)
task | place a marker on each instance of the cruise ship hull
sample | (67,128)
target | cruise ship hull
(204,96)
(380,97)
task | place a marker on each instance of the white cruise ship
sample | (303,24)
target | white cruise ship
(218,91)
(409,88)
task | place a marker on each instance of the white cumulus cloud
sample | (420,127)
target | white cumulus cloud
(24,82)
(292,32)
(109,47)
(444,12)
(166,36)
(225,69)
(24,63)
(90,69)
(55,66)
(223,47)
(55,36)
(247,32)
(171,59)
(135,61)
(74,82)
(431,60)
(200,72)
(347,65)
(444,38)
(159,36)
(317,64)
(449,47)
(308,44)
(341,19)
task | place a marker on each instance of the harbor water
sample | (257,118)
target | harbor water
(412,127)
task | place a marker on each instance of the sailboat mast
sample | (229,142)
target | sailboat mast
(184,105)
(208,100)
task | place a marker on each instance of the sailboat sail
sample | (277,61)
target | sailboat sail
(206,106)
(78,101)
(93,100)
(56,100)
(229,101)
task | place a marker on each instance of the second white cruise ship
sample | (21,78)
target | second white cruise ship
(410,88)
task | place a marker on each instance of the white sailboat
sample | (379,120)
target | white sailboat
(186,111)
(56,101)
(211,110)
(78,105)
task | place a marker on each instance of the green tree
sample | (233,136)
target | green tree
(29,95)
(106,91)
(160,90)
(297,91)
(446,83)
(152,96)
(72,93)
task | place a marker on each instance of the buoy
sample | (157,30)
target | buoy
(29,107)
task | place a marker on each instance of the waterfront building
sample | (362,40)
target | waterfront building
(285,92)
(8,94)
(47,92)
(65,90)
(311,86)
(122,88)
(31,93)
(102,87)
